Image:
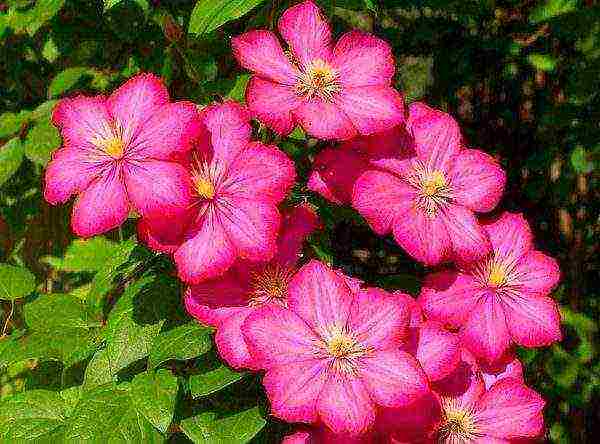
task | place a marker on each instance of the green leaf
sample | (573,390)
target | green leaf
(10,123)
(183,342)
(238,92)
(542,62)
(208,15)
(238,428)
(34,415)
(90,255)
(107,414)
(128,336)
(41,141)
(551,9)
(581,161)
(55,311)
(213,380)
(154,395)
(103,282)
(108,4)
(67,345)
(41,13)
(66,80)
(15,282)
(11,156)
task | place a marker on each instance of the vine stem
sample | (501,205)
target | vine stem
(8,318)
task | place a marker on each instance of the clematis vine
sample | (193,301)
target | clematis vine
(118,153)
(333,92)
(501,299)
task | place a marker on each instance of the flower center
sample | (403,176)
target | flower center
(497,276)
(319,79)
(114,147)
(271,285)
(433,190)
(433,183)
(342,346)
(204,187)
(458,424)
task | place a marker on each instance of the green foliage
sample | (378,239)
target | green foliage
(211,381)
(208,15)
(11,156)
(237,428)
(15,282)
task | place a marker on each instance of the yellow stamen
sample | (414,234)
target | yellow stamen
(204,188)
(271,285)
(340,345)
(113,146)
(458,425)
(433,183)
(319,79)
(497,275)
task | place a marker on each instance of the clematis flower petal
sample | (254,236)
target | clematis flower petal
(345,406)
(259,51)
(424,237)
(486,333)
(510,410)
(273,104)
(381,198)
(372,108)
(208,254)
(261,171)
(102,206)
(320,296)
(307,32)
(251,226)
(533,321)
(393,378)
(69,172)
(135,102)
(363,60)
(324,120)
(450,297)
(437,136)
(477,180)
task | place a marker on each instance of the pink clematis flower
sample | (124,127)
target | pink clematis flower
(429,199)
(506,412)
(226,302)
(117,154)
(333,356)
(466,407)
(333,92)
(233,188)
(335,170)
(501,299)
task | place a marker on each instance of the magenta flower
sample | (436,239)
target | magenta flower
(233,188)
(335,170)
(501,299)
(332,92)
(508,411)
(117,153)
(465,409)
(429,199)
(226,302)
(333,355)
